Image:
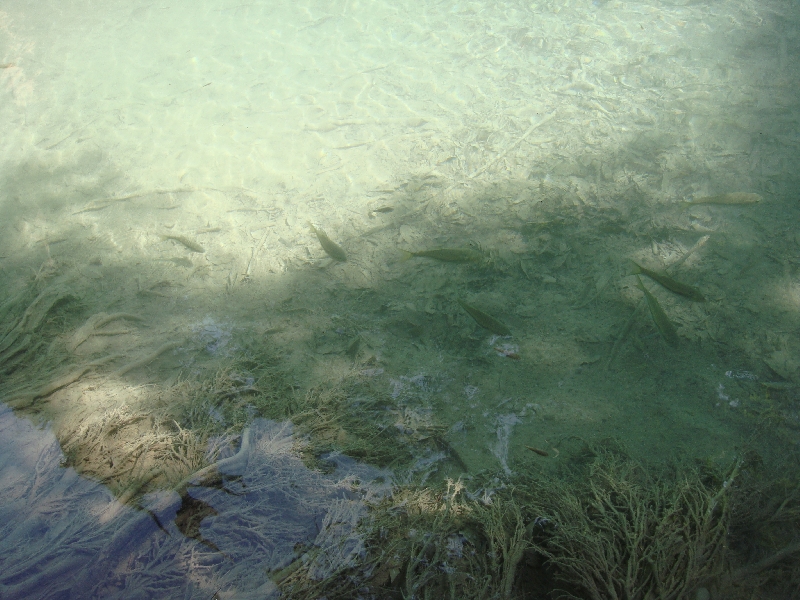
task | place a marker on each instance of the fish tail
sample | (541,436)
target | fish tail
(633,268)
(406,255)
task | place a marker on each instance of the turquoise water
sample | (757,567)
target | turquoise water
(163,294)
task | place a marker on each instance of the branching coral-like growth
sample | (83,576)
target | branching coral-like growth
(621,535)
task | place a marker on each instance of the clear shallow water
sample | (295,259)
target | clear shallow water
(558,138)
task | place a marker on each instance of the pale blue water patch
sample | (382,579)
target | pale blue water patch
(214,336)
(505,426)
(64,536)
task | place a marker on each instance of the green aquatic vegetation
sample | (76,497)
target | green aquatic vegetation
(333,422)
(602,526)
(94,326)
(616,531)
(428,543)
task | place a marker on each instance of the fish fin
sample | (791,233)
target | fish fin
(640,285)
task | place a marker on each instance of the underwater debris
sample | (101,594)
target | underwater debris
(214,336)
(510,147)
(25,399)
(145,360)
(93,327)
(508,351)
(505,425)
(106,202)
(20,334)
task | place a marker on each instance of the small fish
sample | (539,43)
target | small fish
(538,451)
(779,385)
(381,209)
(353,347)
(668,282)
(484,320)
(331,248)
(665,327)
(181,261)
(190,244)
(457,255)
(507,353)
(732,198)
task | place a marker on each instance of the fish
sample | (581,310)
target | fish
(457,255)
(507,353)
(331,248)
(190,244)
(353,347)
(667,282)
(779,385)
(730,198)
(381,209)
(181,261)
(663,324)
(538,451)
(484,320)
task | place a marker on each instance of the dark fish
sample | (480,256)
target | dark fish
(181,261)
(507,353)
(332,249)
(779,385)
(484,320)
(190,244)
(732,198)
(668,282)
(459,255)
(353,347)
(538,451)
(664,325)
